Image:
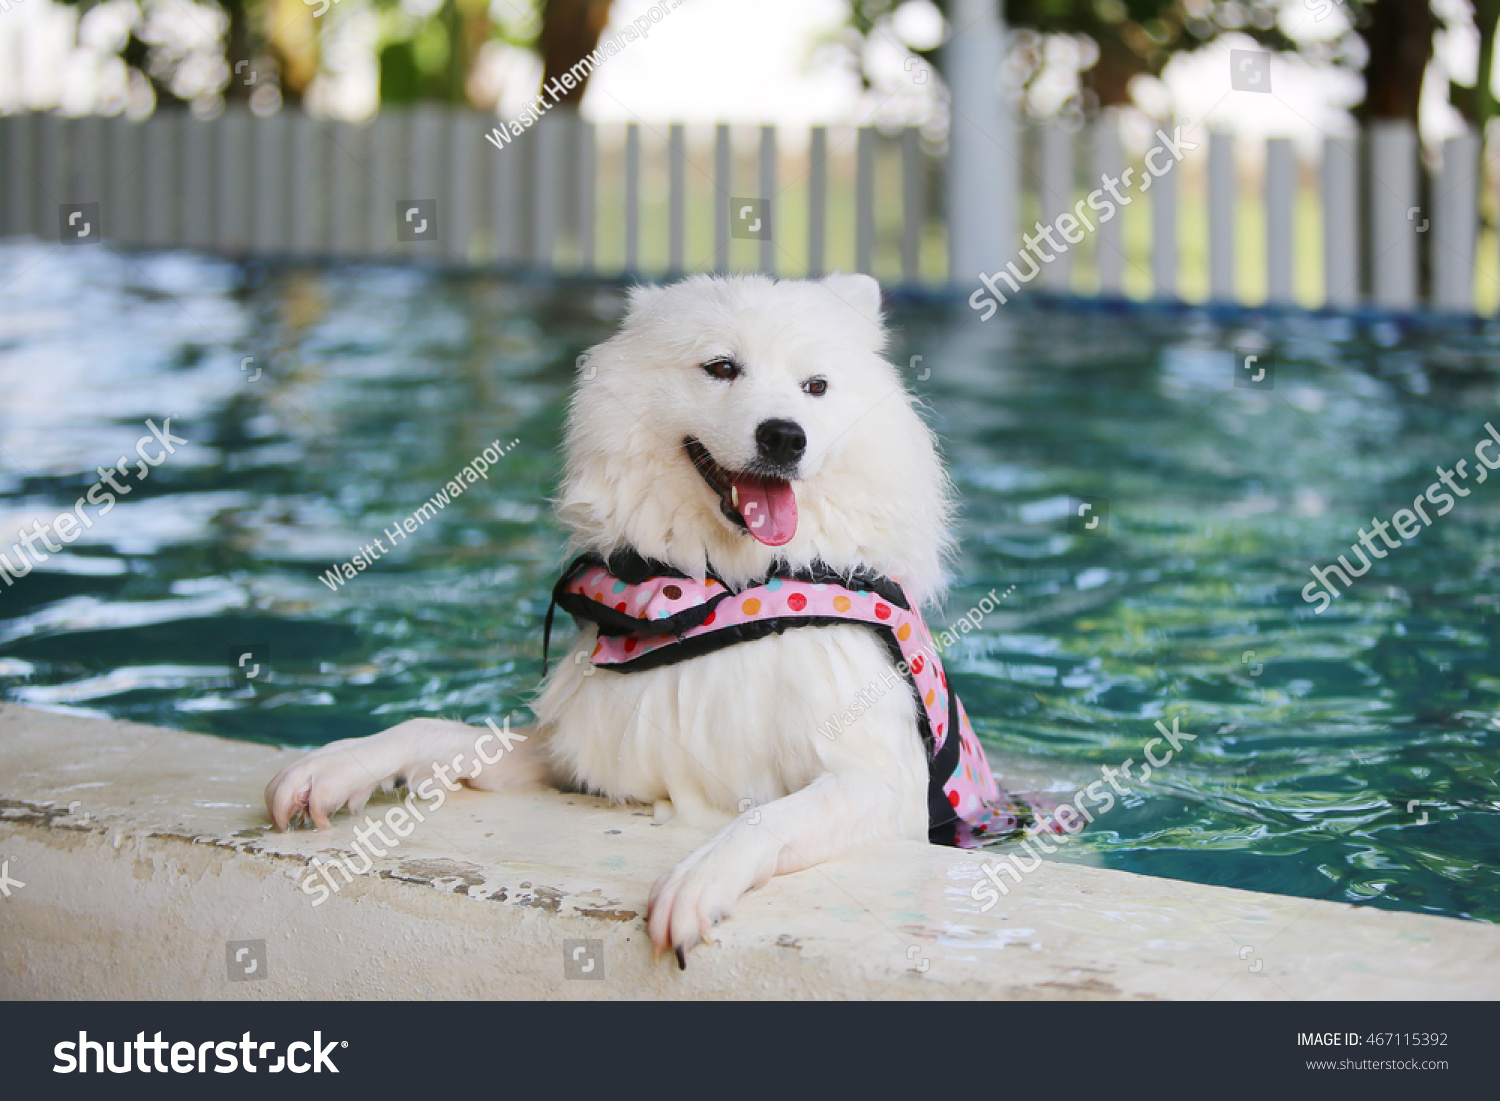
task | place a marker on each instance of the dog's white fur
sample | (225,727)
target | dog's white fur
(732,735)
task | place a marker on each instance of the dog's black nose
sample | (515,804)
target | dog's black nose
(780,442)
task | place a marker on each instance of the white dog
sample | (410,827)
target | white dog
(733,428)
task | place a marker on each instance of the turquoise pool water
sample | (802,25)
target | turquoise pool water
(1352,755)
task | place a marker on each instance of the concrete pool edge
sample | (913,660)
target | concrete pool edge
(145,865)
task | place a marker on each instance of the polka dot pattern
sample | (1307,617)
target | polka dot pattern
(984,811)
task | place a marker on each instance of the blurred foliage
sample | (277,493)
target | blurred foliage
(1477,102)
(1094,50)
(1112,41)
(1117,41)
(431,58)
(1138,37)
(432,50)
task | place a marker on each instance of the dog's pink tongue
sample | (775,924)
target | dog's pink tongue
(769,508)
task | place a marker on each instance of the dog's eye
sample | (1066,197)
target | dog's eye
(815,386)
(725,369)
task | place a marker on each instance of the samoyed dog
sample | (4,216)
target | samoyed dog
(735,429)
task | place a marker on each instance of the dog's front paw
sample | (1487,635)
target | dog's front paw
(344,772)
(687,901)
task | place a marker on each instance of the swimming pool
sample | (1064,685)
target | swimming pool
(1351,755)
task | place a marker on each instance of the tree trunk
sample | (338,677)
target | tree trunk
(237,48)
(570,31)
(1400,39)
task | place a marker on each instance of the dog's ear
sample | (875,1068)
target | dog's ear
(860,292)
(642,295)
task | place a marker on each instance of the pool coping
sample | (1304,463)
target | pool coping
(145,863)
(895,291)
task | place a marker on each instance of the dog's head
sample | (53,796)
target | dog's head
(736,420)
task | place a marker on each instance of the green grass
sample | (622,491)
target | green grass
(791,223)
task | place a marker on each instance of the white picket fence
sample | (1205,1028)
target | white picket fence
(291,186)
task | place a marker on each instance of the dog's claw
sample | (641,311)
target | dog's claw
(681,960)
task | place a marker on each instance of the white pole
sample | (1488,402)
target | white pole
(1455,224)
(913,204)
(817,201)
(587,137)
(462,206)
(1164,236)
(1281,219)
(864,200)
(768,195)
(1221,217)
(122,209)
(1057,198)
(161,180)
(632,197)
(351,202)
(677,202)
(268,235)
(19,168)
(197,159)
(1340,222)
(1395,217)
(983,159)
(1109,241)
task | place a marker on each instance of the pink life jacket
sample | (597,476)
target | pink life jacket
(650,614)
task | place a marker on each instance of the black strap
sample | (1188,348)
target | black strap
(857,580)
(941,817)
(630,566)
(559,588)
(547,634)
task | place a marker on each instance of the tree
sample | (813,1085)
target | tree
(1477,104)
(1138,38)
(1399,34)
(570,31)
(433,59)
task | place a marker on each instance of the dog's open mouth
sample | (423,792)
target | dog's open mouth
(764,506)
